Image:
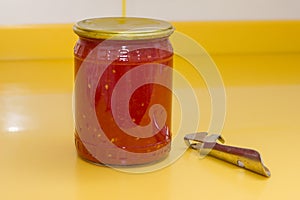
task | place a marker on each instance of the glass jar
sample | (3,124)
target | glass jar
(122,93)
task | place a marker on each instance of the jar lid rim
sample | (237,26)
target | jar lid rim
(123,28)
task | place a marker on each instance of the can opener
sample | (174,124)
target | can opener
(246,158)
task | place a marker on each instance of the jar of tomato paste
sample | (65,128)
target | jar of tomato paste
(123,98)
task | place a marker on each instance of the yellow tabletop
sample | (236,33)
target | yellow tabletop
(38,157)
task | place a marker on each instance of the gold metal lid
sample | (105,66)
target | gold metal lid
(123,28)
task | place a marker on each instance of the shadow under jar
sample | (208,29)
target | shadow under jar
(123,97)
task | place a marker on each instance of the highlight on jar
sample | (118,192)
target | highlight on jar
(137,90)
